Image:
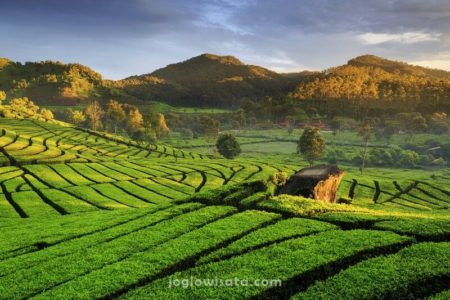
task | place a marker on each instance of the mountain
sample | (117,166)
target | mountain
(225,81)
(209,80)
(55,83)
(387,65)
(374,81)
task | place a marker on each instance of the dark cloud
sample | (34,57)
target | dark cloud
(120,38)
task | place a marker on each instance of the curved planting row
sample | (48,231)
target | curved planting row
(60,189)
(138,253)
(33,142)
(412,194)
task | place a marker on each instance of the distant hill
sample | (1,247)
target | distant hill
(55,83)
(224,81)
(371,80)
(209,80)
(392,66)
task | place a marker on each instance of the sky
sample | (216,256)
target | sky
(119,38)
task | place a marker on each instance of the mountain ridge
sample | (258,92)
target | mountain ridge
(220,81)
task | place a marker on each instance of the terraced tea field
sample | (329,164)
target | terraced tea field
(90,215)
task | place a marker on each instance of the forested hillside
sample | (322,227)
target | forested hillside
(370,82)
(209,80)
(55,83)
(365,84)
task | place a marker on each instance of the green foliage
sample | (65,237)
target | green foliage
(94,114)
(115,114)
(396,276)
(254,199)
(376,80)
(46,114)
(423,229)
(229,194)
(165,255)
(23,107)
(282,230)
(300,206)
(2,96)
(186,133)
(279,178)
(134,217)
(89,260)
(392,157)
(203,80)
(311,145)
(260,264)
(76,117)
(228,146)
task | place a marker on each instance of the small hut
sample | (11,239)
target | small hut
(318,182)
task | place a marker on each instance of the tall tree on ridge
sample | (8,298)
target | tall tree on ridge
(311,145)
(115,112)
(94,114)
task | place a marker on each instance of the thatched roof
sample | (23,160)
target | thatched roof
(318,182)
(319,172)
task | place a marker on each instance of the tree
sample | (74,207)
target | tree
(94,114)
(311,145)
(161,126)
(207,126)
(23,106)
(2,96)
(365,131)
(335,126)
(46,114)
(412,123)
(144,136)
(135,120)
(228,146)
(115,113)
(76,117)
(186,134)
(388,132)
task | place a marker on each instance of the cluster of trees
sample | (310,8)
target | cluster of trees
(228,146)
(370,85)
(312,147)
(385,157)
(193,125)
(23,108)
(55,83)
(121,119)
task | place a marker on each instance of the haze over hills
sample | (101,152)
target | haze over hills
(224,81)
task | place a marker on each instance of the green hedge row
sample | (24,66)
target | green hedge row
(294,262)
(62,269)
(278,232)
(112,280)
(228,194)
(412,273)
(79,241)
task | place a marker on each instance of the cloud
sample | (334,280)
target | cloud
(440,60)
(121,38)
(404,38)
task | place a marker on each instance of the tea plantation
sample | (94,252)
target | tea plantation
(89,215)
